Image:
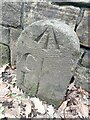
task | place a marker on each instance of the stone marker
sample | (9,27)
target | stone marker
(47,52)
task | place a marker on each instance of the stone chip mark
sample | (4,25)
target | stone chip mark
(40,36)
(30,61)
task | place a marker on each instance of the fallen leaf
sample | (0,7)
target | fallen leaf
(38,105)
(27,103)
(83,109)
(2,69)
(63,106)
(50,110)
(13,67)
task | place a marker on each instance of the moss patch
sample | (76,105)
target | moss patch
(3,54)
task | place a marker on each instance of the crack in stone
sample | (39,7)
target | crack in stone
(9,53)
(10,26)
(23,79)
(23,76)
(84,46)
(37,89)
(57,44)
(39,77)
(22,15)
(75,4)
(8,46)
(80,61)
(21,26)
(79,18)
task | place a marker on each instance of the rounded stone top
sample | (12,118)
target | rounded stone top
(47,51)
(56,29)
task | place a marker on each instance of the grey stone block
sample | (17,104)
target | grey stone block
(44,11)
(3,54)
(47,51)
(82,78)
(86,59)
(83,29)
(10,37)
(14,34)
(5,35)
(4,51)
(11,13)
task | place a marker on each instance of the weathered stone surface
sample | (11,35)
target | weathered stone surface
(3,54)
(44,11)
(83,29)
(82,78)
(11,13)
(68,14)
(86,59)
(14,34)
(0,12)
(33,11)
(5,35)
(46,53)
(9,37)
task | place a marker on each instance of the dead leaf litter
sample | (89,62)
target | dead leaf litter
(15,104)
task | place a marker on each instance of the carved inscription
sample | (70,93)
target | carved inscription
(45,63)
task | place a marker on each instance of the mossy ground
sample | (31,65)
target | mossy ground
(3,54)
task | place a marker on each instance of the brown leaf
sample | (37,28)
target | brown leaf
(83,109)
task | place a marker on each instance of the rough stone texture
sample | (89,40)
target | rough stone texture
(14,34)
(3,54)
(68,14)
(83,29)
(0,12)
(11,18)
(11,13)
(16,13)
(47,51)
(5,35)
(82,78)
(43,11)
(9,36)
(86,59)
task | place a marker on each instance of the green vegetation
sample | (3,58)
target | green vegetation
(3,54)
